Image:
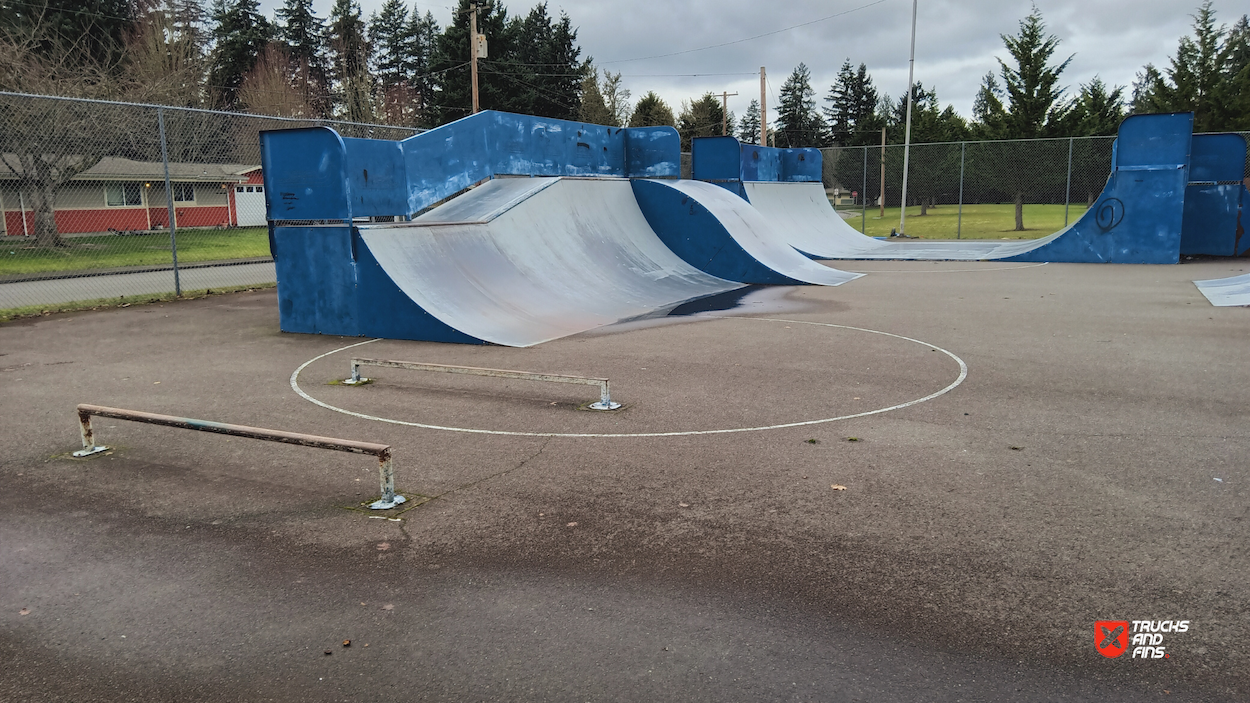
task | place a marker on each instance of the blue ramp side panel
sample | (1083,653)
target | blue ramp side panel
(446,160)
(305,172)
(1217,158)
(316,280)
(652,152)
(1213,197)
(715,159)
(330,283)
(376,182)
(762,163)
(1138,216)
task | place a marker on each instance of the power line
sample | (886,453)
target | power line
(747,39)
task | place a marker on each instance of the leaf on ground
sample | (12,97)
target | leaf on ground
(1017,449)
(683,505)
(838,487)
(24,611)
(852,439)
(572,524)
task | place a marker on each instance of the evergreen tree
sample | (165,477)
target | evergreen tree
(652,111)
(496,85)
(421,35)
(852,111)
(349,62)
(929,121)
(189,22)
(1034,99)
(239,36)
(388,33)
(798,122)
(749,128)
(545,70)
(303,37)
(594,110)
(701,117)
(1097,111)
(1203,77)
(1231,103)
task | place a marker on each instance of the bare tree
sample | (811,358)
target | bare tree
(269,89)
(46,143)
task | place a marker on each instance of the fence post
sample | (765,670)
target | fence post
(863,197)
(1067,192)
(169,202)
(959,223)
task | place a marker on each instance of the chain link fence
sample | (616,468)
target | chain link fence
(969,190)
(105,203)
(1016,189)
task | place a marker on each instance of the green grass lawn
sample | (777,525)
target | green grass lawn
(116,251)
(979,221)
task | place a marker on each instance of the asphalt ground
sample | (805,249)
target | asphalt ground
(1091,466)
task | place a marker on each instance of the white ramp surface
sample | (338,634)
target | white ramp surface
(1226,292)
(520,261)
(801,212)
(762,239)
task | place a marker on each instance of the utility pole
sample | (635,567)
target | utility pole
(763,110)
(724,112)
(911,89)
(473,52)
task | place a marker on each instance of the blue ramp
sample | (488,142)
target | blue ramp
(716,231)
(1137,219)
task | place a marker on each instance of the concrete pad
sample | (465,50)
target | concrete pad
(1089,467)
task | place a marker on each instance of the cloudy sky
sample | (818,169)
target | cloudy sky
(956,43)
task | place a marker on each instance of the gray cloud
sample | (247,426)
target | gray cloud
(956,44)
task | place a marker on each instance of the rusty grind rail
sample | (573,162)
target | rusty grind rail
(386,469)
(604,402)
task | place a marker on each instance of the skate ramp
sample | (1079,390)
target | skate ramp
(1137,218)
(1226,292)
(718,232)
(519,261)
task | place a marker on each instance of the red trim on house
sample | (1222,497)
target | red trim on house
(132,218)
(202,216)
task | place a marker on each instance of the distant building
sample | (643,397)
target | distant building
(120,194)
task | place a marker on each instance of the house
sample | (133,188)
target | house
(119,194)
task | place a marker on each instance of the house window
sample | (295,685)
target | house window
(122,194)
(184,192)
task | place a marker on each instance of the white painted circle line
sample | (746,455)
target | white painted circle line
(1001,268)
(963,373)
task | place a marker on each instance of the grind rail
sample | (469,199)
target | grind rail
(386,469)
(605,397)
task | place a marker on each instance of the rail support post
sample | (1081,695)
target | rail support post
(88,436)
(605,399)
(386,476)
(355,380)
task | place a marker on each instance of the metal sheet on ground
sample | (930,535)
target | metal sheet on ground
(810,224)
(1226,292)
(575,255)
(761,239)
